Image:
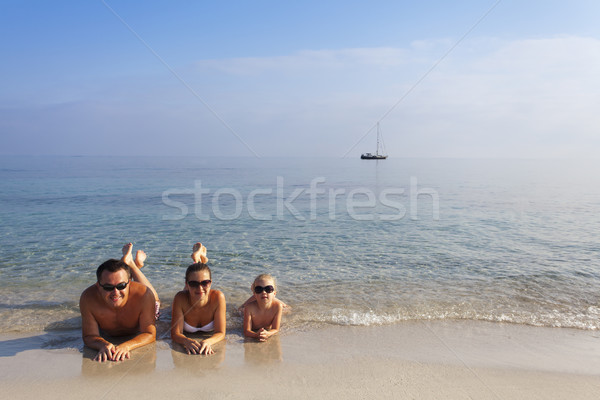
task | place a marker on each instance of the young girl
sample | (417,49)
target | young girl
(262,318)
(198,308)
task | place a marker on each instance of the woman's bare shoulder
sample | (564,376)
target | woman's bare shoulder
(217,295)
(181,296)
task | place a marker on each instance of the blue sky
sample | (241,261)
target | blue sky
(310,78)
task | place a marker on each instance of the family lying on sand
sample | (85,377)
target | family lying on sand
(123,302)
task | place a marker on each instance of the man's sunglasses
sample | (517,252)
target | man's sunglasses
(260,289)
(196,284)
(118,286)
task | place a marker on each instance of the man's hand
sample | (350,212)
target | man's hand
(106,353)
(121,353)
(110,352)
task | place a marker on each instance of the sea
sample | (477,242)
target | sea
(350,242)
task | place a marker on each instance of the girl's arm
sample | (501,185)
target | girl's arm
(264,334)
(248,332)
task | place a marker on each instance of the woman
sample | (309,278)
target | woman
(198,308)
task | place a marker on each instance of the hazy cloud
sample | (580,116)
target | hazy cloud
(522,98)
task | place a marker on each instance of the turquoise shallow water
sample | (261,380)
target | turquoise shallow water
(351,242)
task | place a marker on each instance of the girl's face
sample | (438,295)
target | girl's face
(198,284)
(264,289)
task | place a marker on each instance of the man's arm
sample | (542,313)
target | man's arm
(147,329)
(90,331)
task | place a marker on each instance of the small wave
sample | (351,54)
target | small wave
(593,310)
(339,316)
(342,317)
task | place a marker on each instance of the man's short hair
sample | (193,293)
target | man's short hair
(112,265)
(197,268)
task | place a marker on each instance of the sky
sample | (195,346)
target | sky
(459,79)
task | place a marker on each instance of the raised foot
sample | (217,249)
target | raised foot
(199,253)
(127,258)
(140,257)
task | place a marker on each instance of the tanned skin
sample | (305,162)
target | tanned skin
(126,312)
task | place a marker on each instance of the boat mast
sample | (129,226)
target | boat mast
(377,151)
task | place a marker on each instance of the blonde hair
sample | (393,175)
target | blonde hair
(265,277)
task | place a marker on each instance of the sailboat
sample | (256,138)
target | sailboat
(376,156)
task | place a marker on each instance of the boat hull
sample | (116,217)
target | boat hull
(372,157)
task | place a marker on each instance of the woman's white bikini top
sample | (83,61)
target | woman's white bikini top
(192,329)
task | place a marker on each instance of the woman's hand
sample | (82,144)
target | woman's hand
(195,347)
(206,348)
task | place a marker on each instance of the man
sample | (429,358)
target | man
(119,307)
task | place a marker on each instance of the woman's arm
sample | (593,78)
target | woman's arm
(191,346)
(219,323)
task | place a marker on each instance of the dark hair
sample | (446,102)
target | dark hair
(112,265)
(197,268)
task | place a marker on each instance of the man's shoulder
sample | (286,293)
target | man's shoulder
(140,291)
(137,287)
(89,294)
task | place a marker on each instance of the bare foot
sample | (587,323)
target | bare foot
(127,259)
(140,257)
(199,253)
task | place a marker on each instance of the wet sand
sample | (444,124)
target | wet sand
(420,360)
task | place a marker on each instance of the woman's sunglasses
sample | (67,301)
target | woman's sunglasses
(119,286)
(260,289)
(196,284)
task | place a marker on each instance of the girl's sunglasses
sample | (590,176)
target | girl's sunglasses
(196,284)
(118,286)
(260,289)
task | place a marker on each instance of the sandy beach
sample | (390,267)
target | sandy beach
(419,360)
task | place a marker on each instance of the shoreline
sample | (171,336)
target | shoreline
(419,359)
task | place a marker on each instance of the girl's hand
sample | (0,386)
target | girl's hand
(263,334)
